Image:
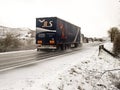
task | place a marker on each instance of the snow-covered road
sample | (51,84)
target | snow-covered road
(77,71)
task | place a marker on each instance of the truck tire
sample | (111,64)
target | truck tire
(63,47)
(38,49)
(76,45)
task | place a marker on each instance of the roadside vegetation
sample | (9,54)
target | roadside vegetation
(11,43)
(113,74)
(114,34)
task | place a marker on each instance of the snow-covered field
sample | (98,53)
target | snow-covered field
(22,33)
(83,70)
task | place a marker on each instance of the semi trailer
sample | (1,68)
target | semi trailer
(54,33)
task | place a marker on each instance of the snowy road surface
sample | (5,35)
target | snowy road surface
(78,71)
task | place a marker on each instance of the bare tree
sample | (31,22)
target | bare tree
(116,44)
(112,32)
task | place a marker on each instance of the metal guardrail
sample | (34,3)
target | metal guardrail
(101,47)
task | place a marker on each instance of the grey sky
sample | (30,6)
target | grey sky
(95,17)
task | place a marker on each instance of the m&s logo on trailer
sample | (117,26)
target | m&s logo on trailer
(46,23)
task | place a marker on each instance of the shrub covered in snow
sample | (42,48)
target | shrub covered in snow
(12,43)
(9,42)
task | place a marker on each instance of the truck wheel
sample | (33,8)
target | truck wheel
(38,49)
(63,47)
(58,47)
(76,45)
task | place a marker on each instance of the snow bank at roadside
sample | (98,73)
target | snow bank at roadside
(91,73)
(109,46)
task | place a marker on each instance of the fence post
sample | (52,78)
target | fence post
(100,47)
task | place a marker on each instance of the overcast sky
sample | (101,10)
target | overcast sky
(94,17)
